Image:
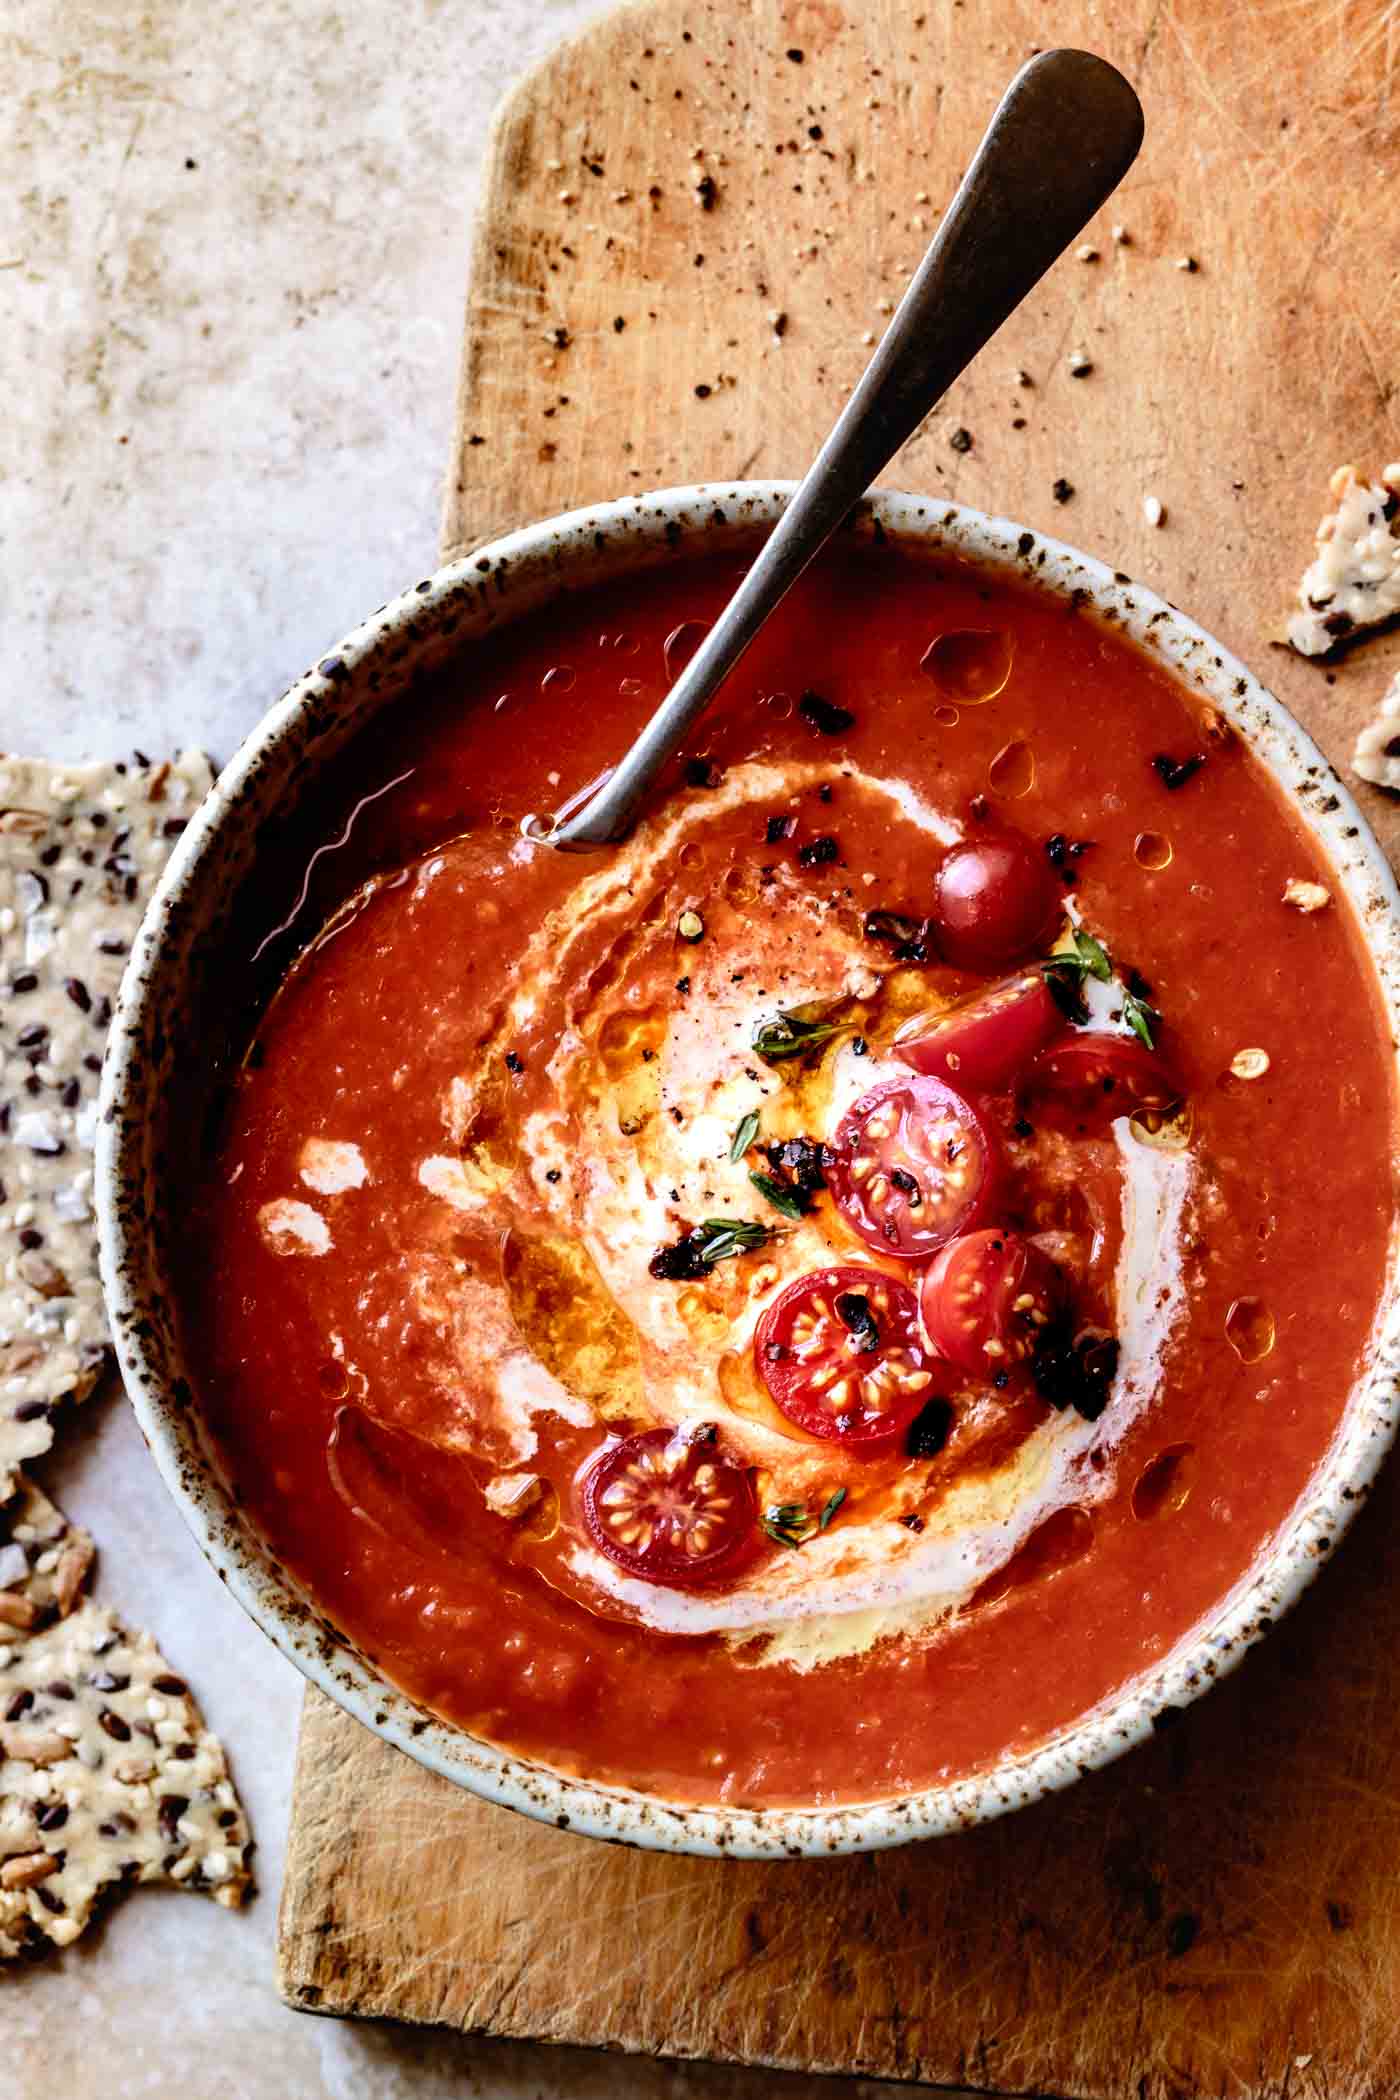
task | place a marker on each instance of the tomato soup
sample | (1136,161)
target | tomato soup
(805,1303)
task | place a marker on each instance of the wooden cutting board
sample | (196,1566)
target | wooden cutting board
(697,219)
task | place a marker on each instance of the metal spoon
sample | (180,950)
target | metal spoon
(1064,134)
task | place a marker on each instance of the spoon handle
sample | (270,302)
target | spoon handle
(1063,136)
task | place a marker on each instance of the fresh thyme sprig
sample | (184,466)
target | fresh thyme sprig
(1064,974)
(792,1523)
(790,1035)
(1087,958)
(719,1238)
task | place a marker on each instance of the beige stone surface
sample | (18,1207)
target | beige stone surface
(233,247)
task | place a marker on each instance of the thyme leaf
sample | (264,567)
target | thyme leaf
(831,1508)
(1140,1017)
(789,1036)
(1066,988)
(792,1202)
(1088,957)
(744,1136)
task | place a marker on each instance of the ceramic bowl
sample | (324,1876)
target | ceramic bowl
(160,1023)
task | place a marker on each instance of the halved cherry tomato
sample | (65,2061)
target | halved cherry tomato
(988,1298)
(670,1508)
(914,1166)
(841,1353)
(985,1041)
(1103,1076)
(996,900)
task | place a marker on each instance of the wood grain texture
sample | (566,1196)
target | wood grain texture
(1217,1914)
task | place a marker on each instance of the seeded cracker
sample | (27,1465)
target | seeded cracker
(81,848)
(1353,581)
(44,1563)
(108,1776)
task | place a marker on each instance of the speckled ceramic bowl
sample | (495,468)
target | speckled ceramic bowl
(171,984)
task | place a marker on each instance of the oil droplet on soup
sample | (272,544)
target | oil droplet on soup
(569,1320)
(1163,1129)
(628,1073)
(541,1520)
(489,1153)
(1152,850)
(970,664)
(708,1322)
(1164,1486)
(745,1395)
(947,715)
(624,1038)
(559,679)
(1065,1537)
(1249,1329)
(1012,772)
(681,644)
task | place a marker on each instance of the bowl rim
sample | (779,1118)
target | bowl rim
(587,542)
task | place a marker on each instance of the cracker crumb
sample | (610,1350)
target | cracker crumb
(1377,754)
(1080,364)
(1153,510)
(1306,896)
(513,1494)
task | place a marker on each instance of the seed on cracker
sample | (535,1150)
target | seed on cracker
(107,1776)
(1352,583)
(81,849)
